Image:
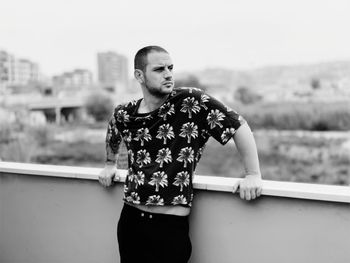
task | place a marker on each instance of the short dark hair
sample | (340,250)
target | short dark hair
(140,60)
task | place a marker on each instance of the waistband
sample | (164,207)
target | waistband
(137,213)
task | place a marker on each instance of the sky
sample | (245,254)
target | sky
(62,35)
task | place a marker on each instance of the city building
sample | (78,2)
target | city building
(77,78)
(26,71)
(112,70)
(17,71)
(6,67)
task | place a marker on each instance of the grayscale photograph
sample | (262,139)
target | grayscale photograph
(174,132)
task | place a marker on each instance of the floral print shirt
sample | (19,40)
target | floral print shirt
(165,145)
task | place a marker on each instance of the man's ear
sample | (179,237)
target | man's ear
(139,75)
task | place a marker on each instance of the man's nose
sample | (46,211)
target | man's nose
(168,74)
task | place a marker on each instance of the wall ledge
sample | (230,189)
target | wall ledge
(319,192)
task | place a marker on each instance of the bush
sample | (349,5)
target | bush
(99,105)
(41,134)
(298,116)
(246,95)
(76,153)
(20,150)
(6,134)
(190,81)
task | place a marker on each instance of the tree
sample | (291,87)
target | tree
(246,95)
(190,81)
(99,105)
(315,83)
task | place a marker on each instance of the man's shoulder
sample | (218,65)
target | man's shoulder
(188,92)
(126,106)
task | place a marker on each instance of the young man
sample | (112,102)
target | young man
(165,133)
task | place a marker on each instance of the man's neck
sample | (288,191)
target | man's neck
(151,103)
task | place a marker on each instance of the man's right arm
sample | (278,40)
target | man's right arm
(109,172)
(113,140)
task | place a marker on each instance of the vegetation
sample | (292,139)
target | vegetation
(284,156)
(82,153)
(246,95)
(19,142)
(99,105)
(315,83)
(190,81)
(297,116)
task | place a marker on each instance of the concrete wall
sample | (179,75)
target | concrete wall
(55,219)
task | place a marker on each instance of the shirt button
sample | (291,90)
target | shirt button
(142,214)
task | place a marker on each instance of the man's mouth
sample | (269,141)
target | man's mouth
(168,83)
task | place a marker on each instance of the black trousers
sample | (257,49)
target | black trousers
(153,238)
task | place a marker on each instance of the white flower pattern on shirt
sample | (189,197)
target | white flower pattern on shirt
(143,135)
(186,156)
(159,179)
(138,178)
(190,105)
(155,200)
(204,99)
(122,116)
(214,118)
(182,179)
(143,158)
(189,130)
(133,198)
(179,200)
(227,134)
(165,132)
(165,110)
(164,156)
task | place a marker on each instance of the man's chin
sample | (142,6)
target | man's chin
(166,89)
(169,88)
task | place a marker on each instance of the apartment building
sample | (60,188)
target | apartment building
(112,70)
(77,78)
(17,71)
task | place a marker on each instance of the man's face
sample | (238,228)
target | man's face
(158,74)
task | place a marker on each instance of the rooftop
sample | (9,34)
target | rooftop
(54,213)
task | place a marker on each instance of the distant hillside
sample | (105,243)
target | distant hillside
(322,81)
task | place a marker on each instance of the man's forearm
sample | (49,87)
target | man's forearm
(111,157)
(246,146)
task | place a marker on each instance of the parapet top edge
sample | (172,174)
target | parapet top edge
(331,193)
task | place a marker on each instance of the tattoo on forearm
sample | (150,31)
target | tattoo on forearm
(111,157)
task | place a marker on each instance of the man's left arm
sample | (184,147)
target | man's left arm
(251,186)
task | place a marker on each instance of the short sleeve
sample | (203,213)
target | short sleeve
(222,122)
(113,136)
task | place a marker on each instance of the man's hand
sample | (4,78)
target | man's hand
(249,188)
(107,175)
